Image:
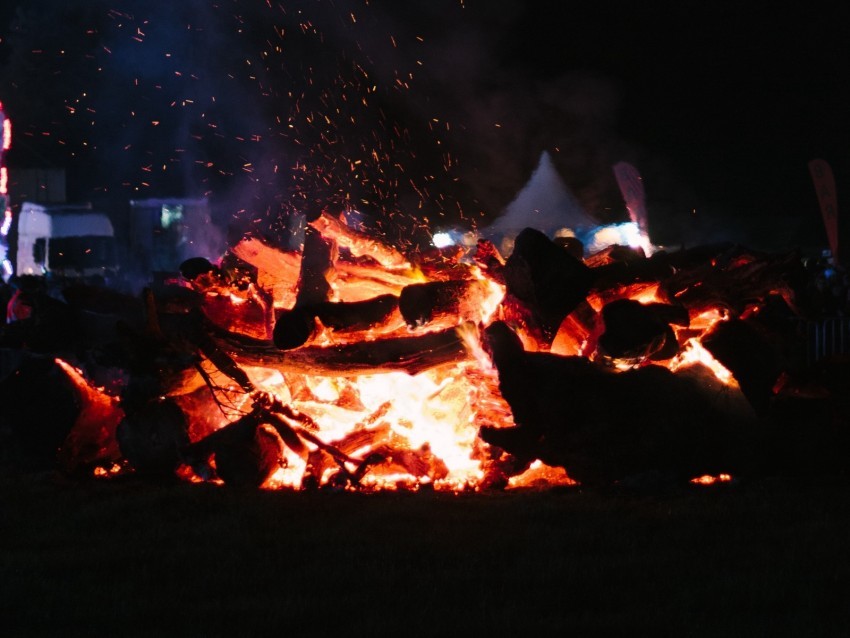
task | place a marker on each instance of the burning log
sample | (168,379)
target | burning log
(577,332)
(487,257)
(443,301)
(619,266)
(734,280)
(295,327)
(636,332)
(746,352)
(604,426)
(356,282)
(316,261)
(398,354)
(359,244)
(231,298)
(49,407)
(277,270)
(91,441)
(247,311)
(246,452)
(545,277)
(249,462)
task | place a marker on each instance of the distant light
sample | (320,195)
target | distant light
(626,234)
(441,240)
(7,223)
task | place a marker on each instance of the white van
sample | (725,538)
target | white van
(65,242)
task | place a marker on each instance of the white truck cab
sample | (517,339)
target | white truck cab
(64,242)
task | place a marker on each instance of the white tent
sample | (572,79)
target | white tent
(544,203)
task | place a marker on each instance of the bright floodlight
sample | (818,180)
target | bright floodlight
(626,234)
(441,240)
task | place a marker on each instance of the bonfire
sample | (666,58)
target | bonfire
(349,365)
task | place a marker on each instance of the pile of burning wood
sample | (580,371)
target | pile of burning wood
(350,365)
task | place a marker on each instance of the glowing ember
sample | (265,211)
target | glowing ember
(92,438)
(414,429)
(694,352)
(708,479)
(396,413)
(539,474)
(392,385)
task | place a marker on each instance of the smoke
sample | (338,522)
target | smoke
(416,114)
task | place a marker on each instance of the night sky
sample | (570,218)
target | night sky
(430,113)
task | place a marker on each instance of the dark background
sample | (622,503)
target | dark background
(423,114)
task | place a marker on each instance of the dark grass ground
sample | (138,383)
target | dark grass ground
(765,558)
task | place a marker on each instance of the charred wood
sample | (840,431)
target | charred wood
(249,461)
(748,354)
(620,266)
(295,327)
(488,258)
(578,332)
(545,277)
(316,261)
(152,437)
(40,406)
(735,280)
(243,455)
(401,354)
(57,419)
(636,331)
(455,301)
(604,426)
(250,447)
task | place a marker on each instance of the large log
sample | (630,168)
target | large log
(635,331)
(603,426)
(317,260)
(748,354)
(249,461)
(152,437)
(451,301)
(735,280)
(92,440)
(40,406)
(547,278)
(295,327)
(400,354)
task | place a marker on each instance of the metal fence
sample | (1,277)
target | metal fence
(825,338)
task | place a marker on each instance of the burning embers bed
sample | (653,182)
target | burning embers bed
(347,366)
